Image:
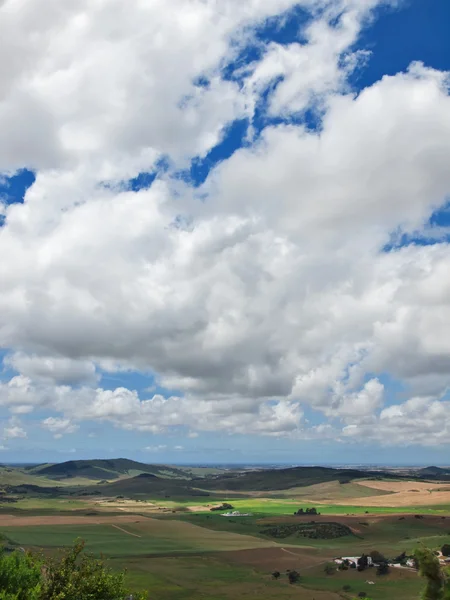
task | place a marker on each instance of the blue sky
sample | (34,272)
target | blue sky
(237,255)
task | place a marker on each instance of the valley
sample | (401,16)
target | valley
(166,525)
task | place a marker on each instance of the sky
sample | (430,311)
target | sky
(225,231)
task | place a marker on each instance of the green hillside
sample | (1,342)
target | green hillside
(280,479)
(147,484)
(107,469)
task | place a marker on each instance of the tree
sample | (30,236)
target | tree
(383,569)
(437,587)
(363,562)
(445,550)
(311,511)
(20,576)
(293,576)
(377,557)
(330,569)
(276,574)
(73,576)
(401,558)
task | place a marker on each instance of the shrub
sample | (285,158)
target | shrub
(377,556)
(383,569)
(293,576)
(72,576)
(20,576)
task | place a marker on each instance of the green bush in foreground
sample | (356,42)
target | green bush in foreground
(74,576)
(438,584)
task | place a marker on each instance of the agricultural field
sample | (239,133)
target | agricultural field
(157,522)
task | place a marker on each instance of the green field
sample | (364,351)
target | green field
(131,539)
(272,506)
(396,586)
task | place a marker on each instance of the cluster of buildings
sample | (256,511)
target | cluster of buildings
(352,561)
(236,513)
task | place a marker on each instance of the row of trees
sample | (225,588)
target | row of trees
(293,576)
(74,575)
(307,511)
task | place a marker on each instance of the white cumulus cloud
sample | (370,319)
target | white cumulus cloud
(262,292)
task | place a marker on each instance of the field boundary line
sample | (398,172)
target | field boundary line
(125,531)
(322,562)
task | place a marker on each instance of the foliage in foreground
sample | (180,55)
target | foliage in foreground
(437,578)
(73,576)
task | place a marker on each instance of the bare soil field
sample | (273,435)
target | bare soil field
(20,521)
(400,493)
(332,490)
(405,486)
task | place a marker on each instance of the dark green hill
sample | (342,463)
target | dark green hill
(280,479)
(435,473)
(147,485)
(105,469)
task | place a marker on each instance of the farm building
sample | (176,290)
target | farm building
(236,513)
(352,559)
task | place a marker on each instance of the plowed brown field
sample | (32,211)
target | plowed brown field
(19,521)
(401,493)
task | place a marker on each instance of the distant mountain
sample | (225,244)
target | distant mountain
(105,469)
(434,473)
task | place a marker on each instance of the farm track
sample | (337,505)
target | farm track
(125,531)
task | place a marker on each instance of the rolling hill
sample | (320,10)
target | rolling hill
(280,479)
(147,484)
(440,473)
(104,469)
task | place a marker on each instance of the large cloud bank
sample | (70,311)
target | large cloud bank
(262,291)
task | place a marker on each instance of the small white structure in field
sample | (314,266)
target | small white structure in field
(353,559)
(236,513)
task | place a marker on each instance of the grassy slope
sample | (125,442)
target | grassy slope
(105,469)
(392,535)
(398,584)
(145,487)
(143,538)
(281,479)
(17,476)
(210,578)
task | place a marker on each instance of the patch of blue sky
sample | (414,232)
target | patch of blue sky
(142,181)
(233,138)
(145,383)
(415,30)
(13,188)
(284,29)
(5,371)
(395,391)
(436,230)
